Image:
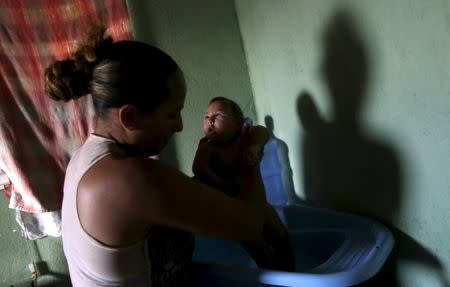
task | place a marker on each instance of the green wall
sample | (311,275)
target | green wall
(379,74)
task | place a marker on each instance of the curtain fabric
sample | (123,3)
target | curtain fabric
(38,135)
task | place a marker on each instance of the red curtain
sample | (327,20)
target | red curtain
(38,135)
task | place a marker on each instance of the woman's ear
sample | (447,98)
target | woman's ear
(128,117)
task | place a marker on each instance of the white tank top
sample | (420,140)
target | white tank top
(161,259)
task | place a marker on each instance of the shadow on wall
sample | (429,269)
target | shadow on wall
(344,168)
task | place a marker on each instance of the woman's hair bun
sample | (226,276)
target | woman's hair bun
(70,78)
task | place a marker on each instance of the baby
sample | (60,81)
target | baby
(228,145)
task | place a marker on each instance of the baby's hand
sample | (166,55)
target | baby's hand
(253,155)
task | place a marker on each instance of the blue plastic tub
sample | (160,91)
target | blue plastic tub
(332,249)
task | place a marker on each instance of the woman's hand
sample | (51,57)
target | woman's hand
(273,221)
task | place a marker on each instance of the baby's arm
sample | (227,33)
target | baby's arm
(257,138)
(203,171)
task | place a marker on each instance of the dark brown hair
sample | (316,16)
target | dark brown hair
(235,109)
(114,73)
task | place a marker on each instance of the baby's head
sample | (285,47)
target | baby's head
(223,120)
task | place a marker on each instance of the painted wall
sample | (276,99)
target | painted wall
(203,37)
(360,92)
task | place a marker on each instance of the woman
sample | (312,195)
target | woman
(127,219)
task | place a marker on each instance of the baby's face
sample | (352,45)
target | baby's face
(219,124)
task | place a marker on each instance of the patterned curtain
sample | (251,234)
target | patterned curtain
(38,135)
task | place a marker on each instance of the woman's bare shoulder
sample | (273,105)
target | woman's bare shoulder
(120,179)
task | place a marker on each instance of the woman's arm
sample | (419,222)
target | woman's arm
(168,197)
(273,221)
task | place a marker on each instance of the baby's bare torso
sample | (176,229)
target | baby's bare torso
(226,159)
